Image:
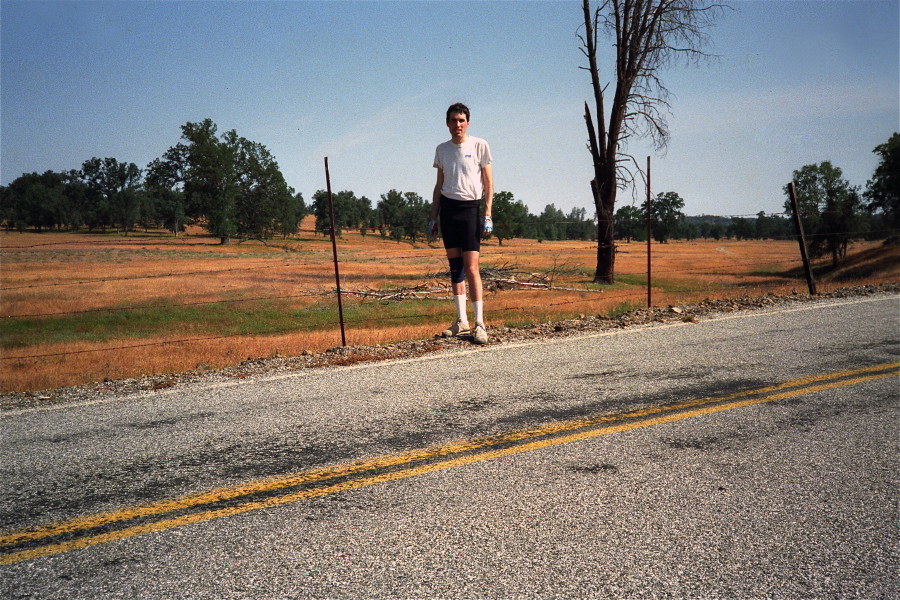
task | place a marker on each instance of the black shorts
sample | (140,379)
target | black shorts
(460,225)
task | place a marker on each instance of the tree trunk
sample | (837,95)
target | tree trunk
(606,246)
(606,260)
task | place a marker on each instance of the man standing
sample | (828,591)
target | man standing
(464,176)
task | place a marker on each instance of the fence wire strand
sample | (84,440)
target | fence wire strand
(623,296)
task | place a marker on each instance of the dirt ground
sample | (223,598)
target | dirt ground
(348,355)
(394,293)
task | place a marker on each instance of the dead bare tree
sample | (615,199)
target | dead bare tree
(649,35)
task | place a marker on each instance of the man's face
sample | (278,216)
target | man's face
(458,124)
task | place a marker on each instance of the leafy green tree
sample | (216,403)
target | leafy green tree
(403,214)
(883,190)
(415,215)
(37,200)
(261,189)
(350,212)
(578,226)
(551,224)
(398,232)
(717,231)
(742,228)
(205,167)
(631,223)
(117,185)
(7,212)
(830,209)
(509,216)
(76,200)
(355,211)
(666,216)
(690,231)
(389,210)
(322,211)
(42,202)
(774,227)
(319,208)
(163,185)
(365,213)
(290,215)
(232,184)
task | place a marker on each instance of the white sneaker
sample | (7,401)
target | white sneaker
(458,328)
(480,336)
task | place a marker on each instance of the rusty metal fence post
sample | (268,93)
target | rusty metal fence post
(801,238)
(649,238)
(337,275)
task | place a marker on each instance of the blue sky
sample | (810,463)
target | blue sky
(367,83)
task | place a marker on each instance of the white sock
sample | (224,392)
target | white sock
(479,311)
(461,307)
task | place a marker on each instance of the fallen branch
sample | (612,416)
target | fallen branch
(420,291)
(493,278)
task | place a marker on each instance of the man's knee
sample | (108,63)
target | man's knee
(472,267)
(457,271)
(472,271)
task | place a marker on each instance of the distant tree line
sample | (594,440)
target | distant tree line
(404,216)
(226,183)
(234,187)
(398,216)
(668,222)
(833,211)
(512,219)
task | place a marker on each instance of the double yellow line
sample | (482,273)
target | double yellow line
(53,538)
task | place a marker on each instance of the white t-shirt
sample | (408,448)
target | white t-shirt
(462,165)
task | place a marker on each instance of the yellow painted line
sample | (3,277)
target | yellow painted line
(355,467)
(352,468)
(802,386)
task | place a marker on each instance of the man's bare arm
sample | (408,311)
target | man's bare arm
(436,195)
(487,179)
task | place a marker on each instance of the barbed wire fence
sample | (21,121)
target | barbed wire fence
(558,304)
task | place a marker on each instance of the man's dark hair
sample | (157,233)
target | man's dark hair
(459,107)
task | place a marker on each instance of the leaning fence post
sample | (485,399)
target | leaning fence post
(337,275)
(801,238)
(649,237)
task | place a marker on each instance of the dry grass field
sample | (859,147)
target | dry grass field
(80,307)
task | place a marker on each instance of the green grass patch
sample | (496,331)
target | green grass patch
(231,318)
(388,314)
(631,279)
(623,307)
(518,321)
(659,283)
(225,318)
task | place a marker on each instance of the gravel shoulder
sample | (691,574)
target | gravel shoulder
(347,355)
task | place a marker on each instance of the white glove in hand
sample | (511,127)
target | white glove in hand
(488,225)
(432,228)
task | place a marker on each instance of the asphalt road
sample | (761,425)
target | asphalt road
(745,456)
